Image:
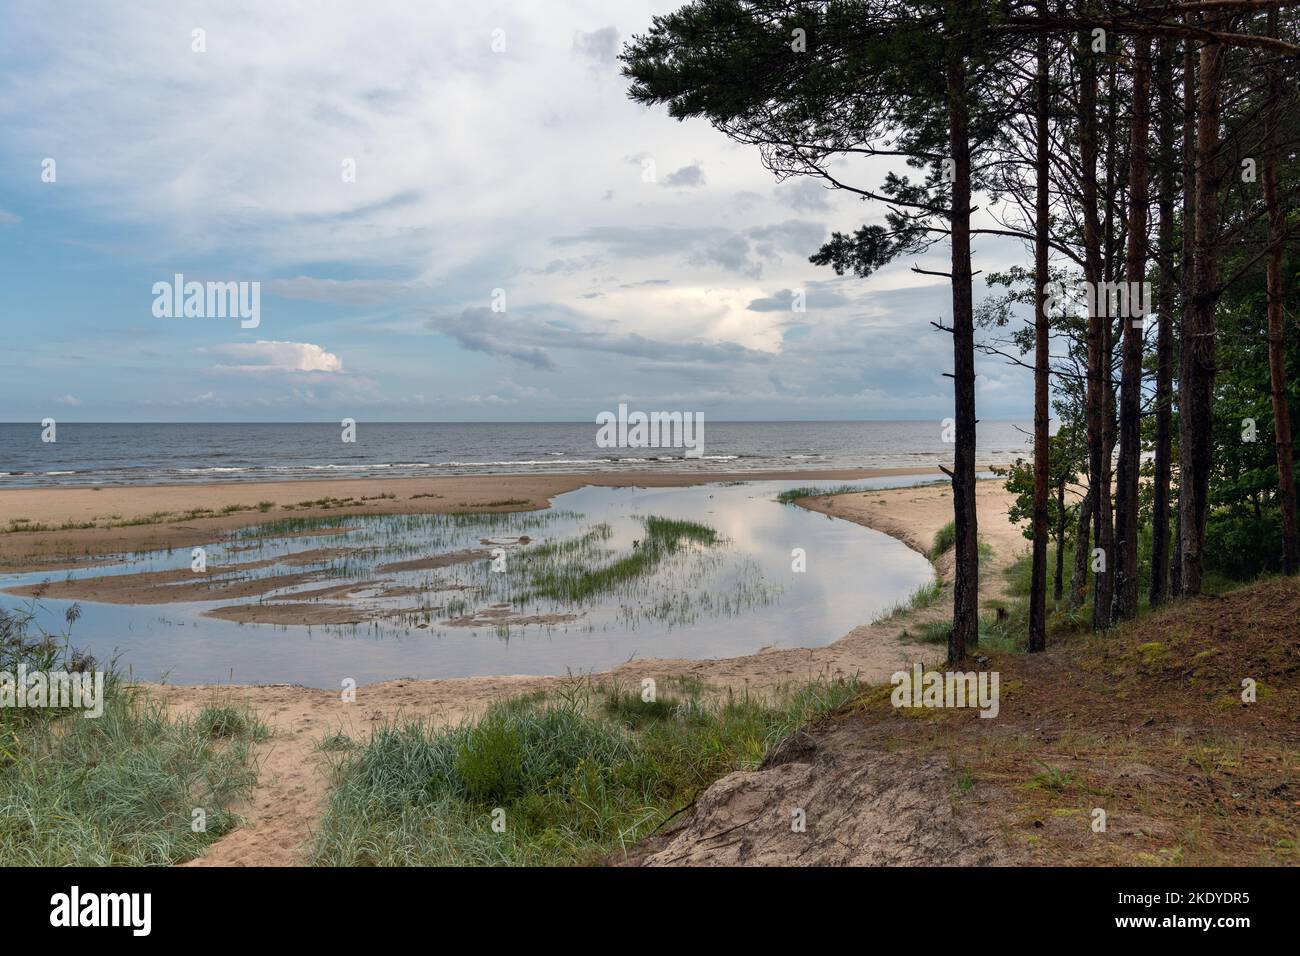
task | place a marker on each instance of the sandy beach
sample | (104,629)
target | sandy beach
(292,783)
(78,524)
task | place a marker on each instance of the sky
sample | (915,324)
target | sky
(453,213)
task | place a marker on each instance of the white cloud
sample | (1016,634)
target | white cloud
(264,356)
(521,170)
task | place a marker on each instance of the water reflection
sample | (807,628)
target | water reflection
(723,600)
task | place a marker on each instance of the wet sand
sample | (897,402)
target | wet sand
(115,519)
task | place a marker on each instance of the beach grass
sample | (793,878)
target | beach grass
(569,778)
(946,537)
(119,789)
(931,632)
(924,596)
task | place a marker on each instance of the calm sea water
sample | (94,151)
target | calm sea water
(108,454)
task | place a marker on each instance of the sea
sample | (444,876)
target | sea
(102,454)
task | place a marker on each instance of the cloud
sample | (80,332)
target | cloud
(688,177)
(345,291)
(271,356)
(599,46)
(688,284)
(777,302)
(70,400)
(529,340)
(731,252)
(9,218)
(799,237)
(803,195)
(816,296)
(741,252)
(479,329)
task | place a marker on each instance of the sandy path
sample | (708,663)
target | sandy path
(292,782)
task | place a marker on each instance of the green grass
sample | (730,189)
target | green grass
(1051,778)
(295,525)
(932,632)
(924,596)
(944,539)
(229,722)
(814,491)
(577,776)
(335,742)
(575,581)
(119,789)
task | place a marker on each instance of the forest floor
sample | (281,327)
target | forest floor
(1146,724)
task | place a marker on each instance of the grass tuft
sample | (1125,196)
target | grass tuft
(566,779)
(120,789)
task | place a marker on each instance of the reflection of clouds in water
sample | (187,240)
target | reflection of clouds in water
(853,573)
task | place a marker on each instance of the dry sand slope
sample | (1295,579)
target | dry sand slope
(292,785)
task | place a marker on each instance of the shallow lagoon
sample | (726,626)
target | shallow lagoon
(724,600)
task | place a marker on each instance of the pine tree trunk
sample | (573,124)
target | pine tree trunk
(1130,410)
(1038,578)
(1058,583)
(1199,331)
(1185,288)
(1276,336)
(1079,573)
(1099,489)
(1105,517)
(965,614)
(1164,332)
(1176,568)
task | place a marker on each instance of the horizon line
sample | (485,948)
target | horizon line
(539,421)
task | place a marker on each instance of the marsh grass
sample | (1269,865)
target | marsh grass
(577,775)
(118,789)
(813,491)
(573,580)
